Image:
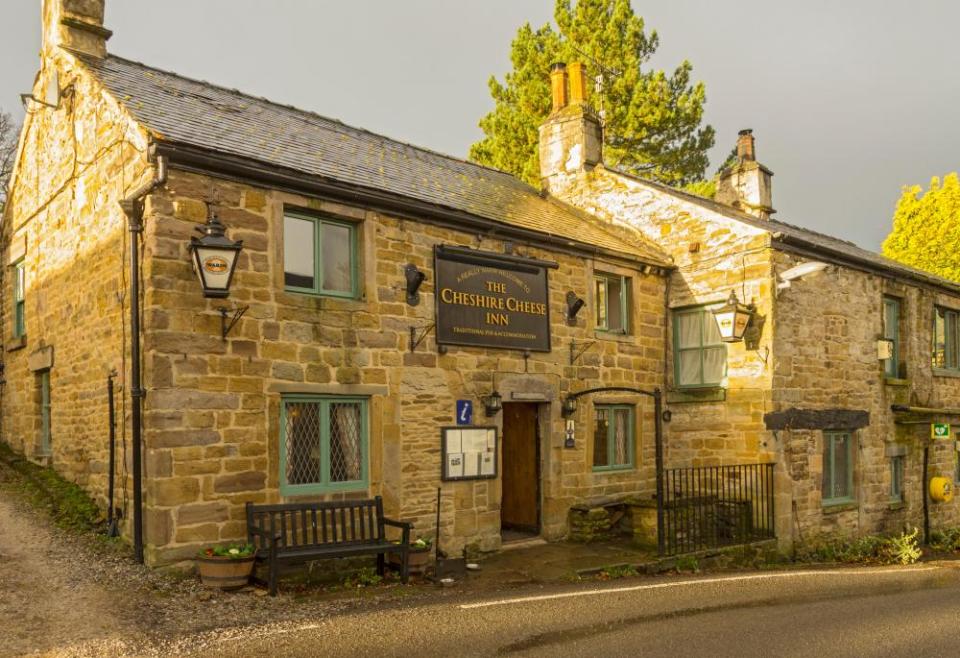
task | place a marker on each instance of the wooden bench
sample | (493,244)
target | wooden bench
(296,533)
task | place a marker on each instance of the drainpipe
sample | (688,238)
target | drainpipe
(132,206)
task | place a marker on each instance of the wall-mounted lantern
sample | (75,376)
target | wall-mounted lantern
(215,257)
(492,404)
(574,304)
(569,406)
(414,279)
(732,319)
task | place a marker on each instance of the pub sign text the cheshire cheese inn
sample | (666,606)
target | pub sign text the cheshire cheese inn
(492,300)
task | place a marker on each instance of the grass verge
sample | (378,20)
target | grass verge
(66,503)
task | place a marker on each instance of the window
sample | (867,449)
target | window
(891,332)
(613,303)
(319,256)
(45,412)
(19,289)
(613,437)
(323,444)
(896,478)
(945,342)
(700,357)
(837,467)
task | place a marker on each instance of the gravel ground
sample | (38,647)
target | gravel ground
(65,594)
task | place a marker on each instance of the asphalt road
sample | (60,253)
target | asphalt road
(899,611)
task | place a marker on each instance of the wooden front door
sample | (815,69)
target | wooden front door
(520,506)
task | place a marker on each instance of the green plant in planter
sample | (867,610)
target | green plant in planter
(421,544)
(232,551)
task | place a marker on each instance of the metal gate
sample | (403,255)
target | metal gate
(714,506)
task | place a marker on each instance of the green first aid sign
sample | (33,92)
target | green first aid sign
(940,430)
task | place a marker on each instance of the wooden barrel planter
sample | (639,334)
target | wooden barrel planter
(225,572)
(417,559)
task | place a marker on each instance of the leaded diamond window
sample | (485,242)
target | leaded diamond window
(323,444)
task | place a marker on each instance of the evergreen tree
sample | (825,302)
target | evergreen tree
(652,121)
(926,228)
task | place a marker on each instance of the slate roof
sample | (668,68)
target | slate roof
(180,110)
(829,246)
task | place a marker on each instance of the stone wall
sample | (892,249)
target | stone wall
(713,254)
(212,408)
(828,326)
(76,162)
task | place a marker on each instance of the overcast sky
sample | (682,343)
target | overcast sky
(848,100)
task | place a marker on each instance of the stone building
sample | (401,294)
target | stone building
(331,383)
(809,390)
(384,293)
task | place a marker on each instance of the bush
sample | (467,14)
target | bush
(870,549)
(947,540)
(903,548)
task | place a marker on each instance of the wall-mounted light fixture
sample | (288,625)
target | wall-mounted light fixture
(732,319)
(574,304)
(493,403)
(414,280)
(214,257)
(569,406)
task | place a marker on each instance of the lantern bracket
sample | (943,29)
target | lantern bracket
(574,354)
(226,327)
(416,340)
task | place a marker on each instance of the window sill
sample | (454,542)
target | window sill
(601,334)
(600,470)
(707,394)
(831,507)
(894,381)
(17,343)
(896,505)
(942,372)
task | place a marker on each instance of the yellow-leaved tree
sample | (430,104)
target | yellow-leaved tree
(926,228)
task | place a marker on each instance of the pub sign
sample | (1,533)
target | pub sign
(486,299)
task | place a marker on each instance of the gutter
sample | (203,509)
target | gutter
(132,205)
(927,411)
(811,249)
(244,170)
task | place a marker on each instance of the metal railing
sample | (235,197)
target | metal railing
(714,506)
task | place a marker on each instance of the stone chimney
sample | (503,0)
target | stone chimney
(746,184)
(571,140)
(75,24)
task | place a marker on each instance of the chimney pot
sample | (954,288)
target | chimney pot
(558,85)
(578,83)
(745,145)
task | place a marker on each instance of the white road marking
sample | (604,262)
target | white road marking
(701,581)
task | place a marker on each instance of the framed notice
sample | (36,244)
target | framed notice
(492,300)
(468,453)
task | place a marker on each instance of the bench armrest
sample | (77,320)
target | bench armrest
(403,525)
(253,530)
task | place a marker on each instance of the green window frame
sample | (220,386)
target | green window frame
(699,355)
(612,293)
(324,233)
(45,442)
(324,444)
(897,467)
(891,332)
(837,468)
(19,297)
(613,437)
(946,347)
